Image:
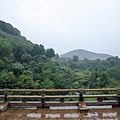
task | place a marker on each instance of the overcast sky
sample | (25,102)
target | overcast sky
(65,25)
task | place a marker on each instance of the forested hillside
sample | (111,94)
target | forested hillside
(24,64)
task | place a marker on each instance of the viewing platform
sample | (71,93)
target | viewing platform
(49,103)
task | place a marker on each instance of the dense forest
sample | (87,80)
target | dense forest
(24,64)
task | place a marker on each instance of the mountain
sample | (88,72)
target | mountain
(9,29)
(11,40)
(85,54)
(25,65)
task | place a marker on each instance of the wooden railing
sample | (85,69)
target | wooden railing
(57,97)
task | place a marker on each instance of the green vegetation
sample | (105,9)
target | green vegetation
(29,66)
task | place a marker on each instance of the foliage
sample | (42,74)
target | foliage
(5,49)
(8,28)
(27,65)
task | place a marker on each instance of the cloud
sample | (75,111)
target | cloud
(67,24)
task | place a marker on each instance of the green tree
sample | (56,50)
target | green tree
(5,49)
(7,80)
(114,72)
(103,81)
(38,49)
(17,68)
(93,79)
(75,58)
(48,84)
(25,80)
(26,58)
(2,65)
(50,53)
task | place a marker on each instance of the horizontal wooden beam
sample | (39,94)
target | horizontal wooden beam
(61,96)
(59,90)
(54,103)
(1,96)
(22,96)
(100,96)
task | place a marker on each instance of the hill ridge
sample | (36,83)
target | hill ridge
(82,54)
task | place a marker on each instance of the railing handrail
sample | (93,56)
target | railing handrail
(58,90)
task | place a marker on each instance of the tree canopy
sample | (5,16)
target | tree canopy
(24,64)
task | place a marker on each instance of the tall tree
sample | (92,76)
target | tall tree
(5,49)
(103,81)
(50,53)
(75,58)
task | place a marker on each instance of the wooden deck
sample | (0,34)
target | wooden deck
(43,101)
(59,114)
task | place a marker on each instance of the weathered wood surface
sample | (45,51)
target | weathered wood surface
(3,106)
(82,106)
(58,114)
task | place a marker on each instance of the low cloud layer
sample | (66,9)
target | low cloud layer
(66,25)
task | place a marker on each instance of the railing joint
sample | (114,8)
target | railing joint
(5,95)
(81,95)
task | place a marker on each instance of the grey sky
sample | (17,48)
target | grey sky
(65,25)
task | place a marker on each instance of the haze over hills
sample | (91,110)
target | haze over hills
(85,54)
(14,36)
(25,65)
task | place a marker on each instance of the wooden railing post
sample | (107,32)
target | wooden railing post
(81,95)
(62,115)
(118,96)
(24,99)
(99,99)
(61,99)
(5,95)
(43,99)
(100,114)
